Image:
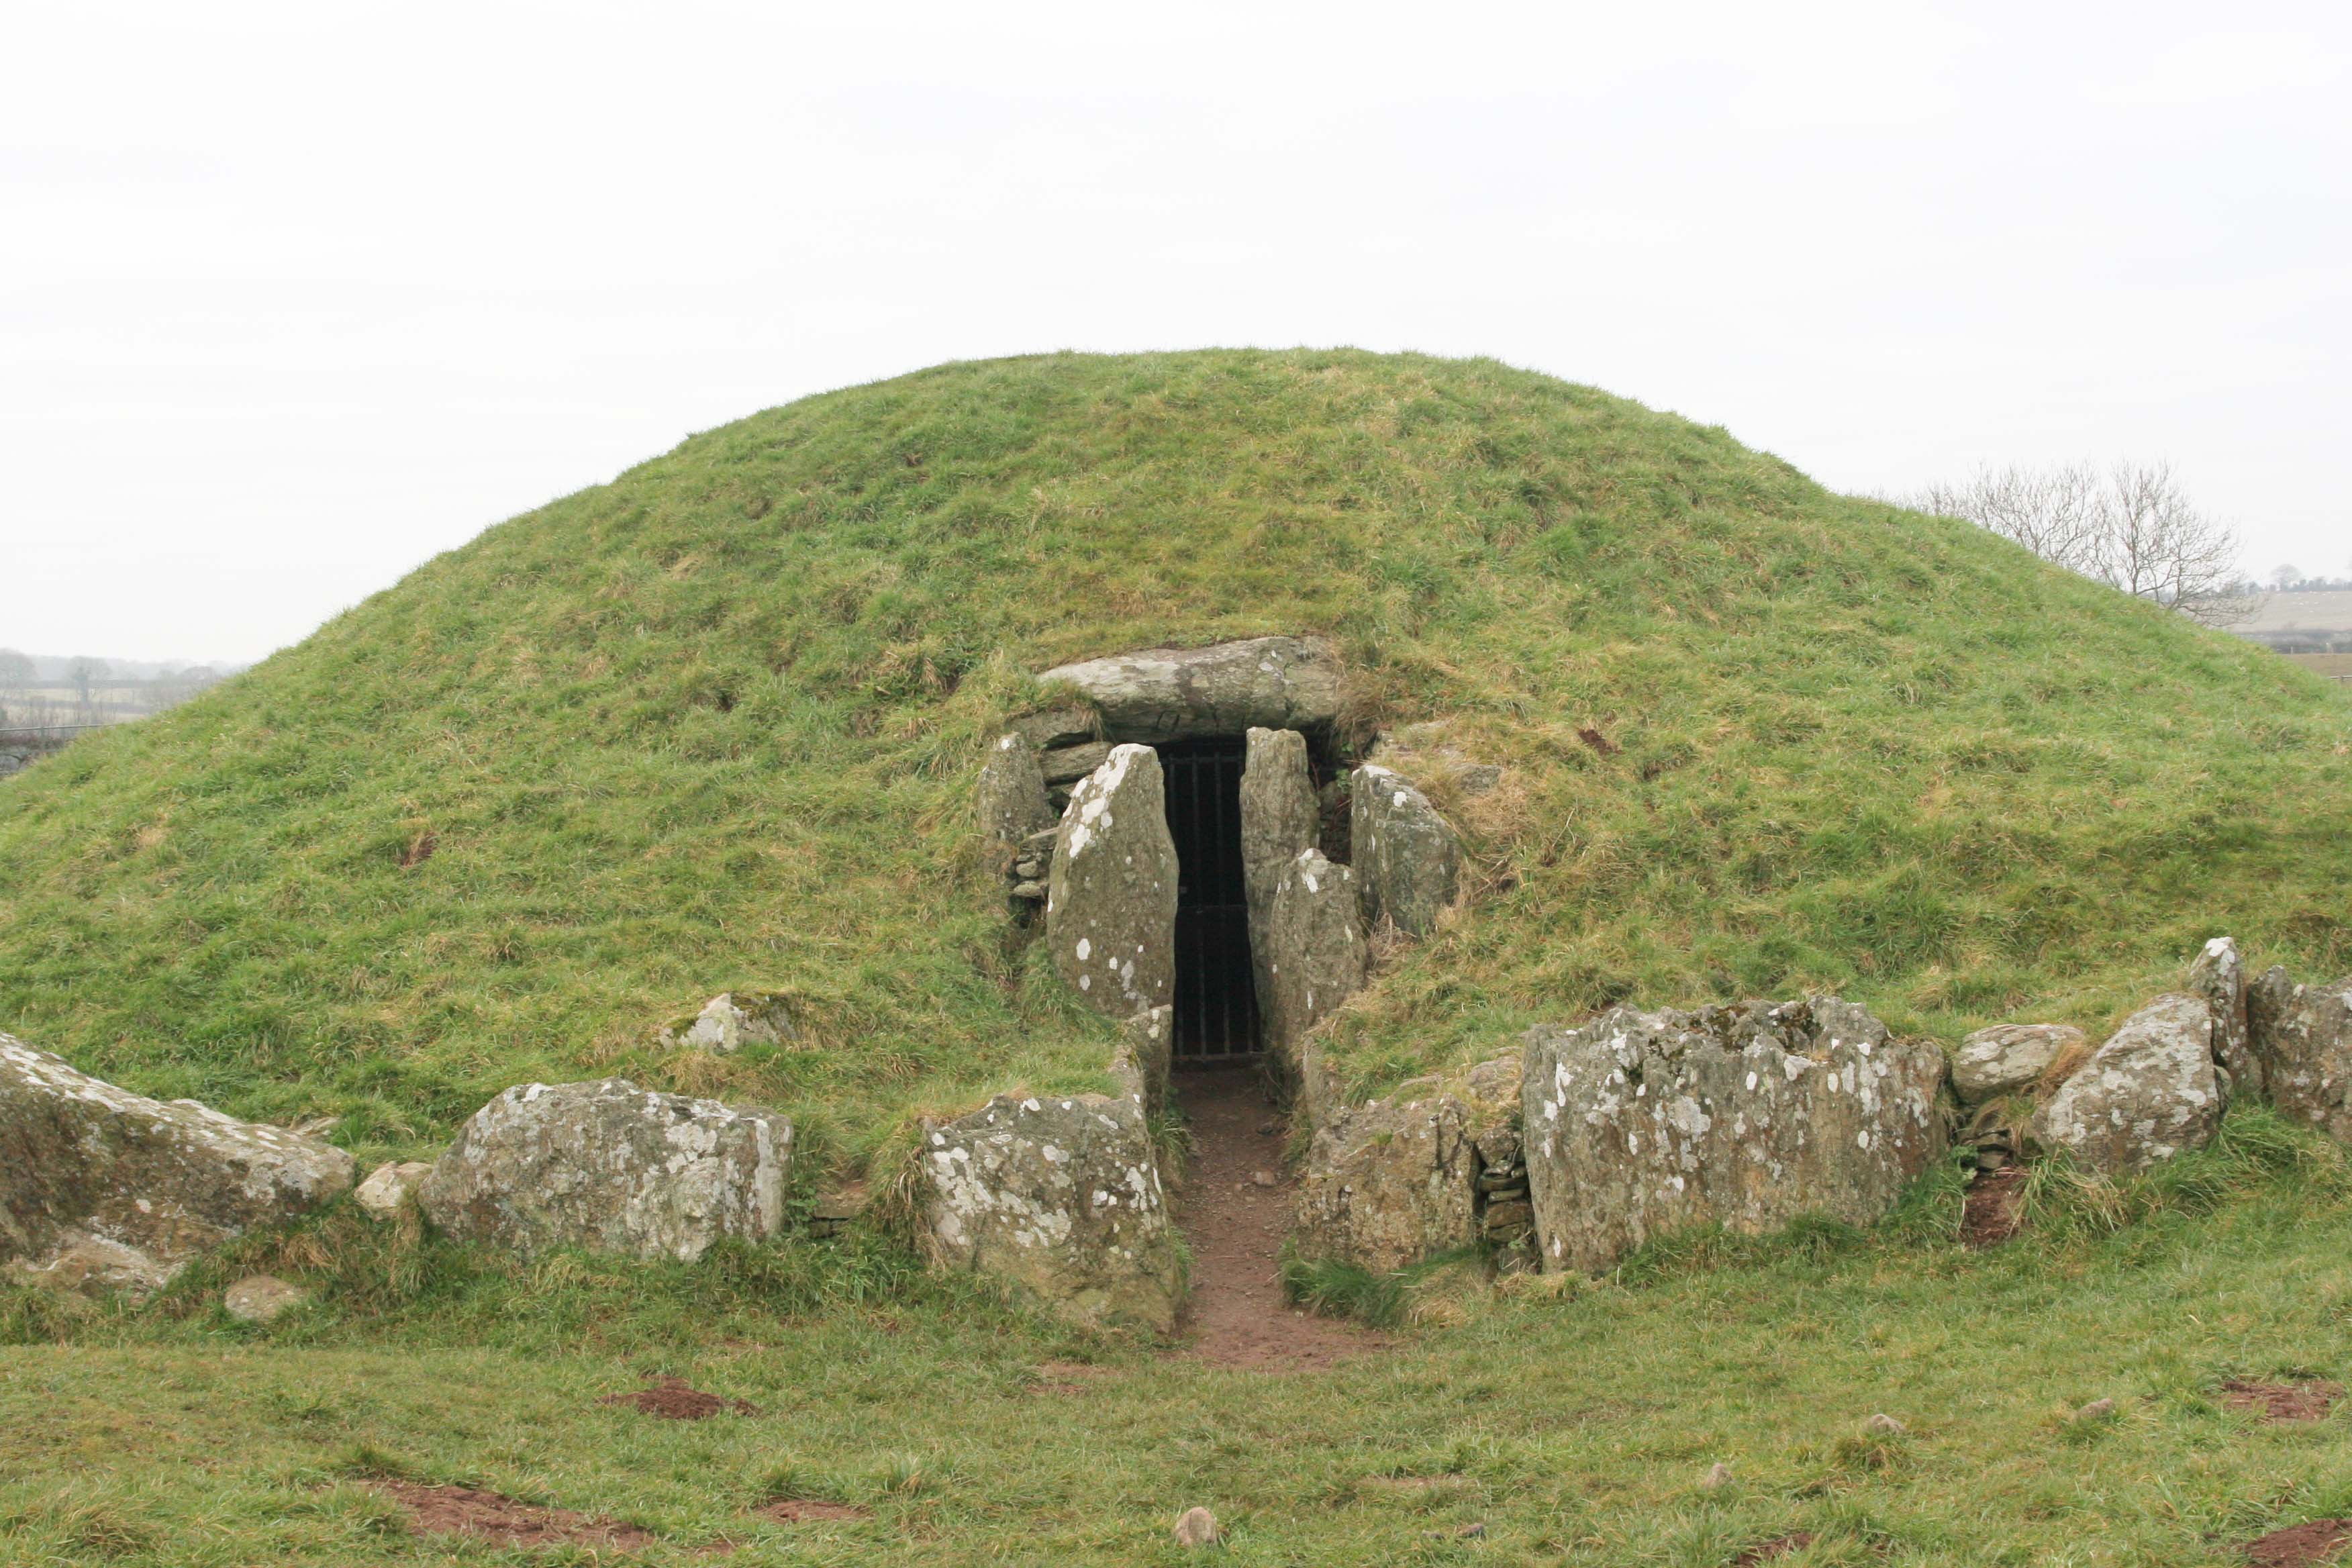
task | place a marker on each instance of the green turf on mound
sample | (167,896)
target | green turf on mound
(715,725)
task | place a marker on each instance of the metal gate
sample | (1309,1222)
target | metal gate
(1216,997)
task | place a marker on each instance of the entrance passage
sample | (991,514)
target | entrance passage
(1216,997)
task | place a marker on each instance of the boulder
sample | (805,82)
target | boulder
(387,1187)
(2145,1096)
(1314,948)
(2219,975)
(731,1020)
(1158,694)
(1012,803)
(262,1298)
(1060,1199)
(1639,1124)
(2302,1037)
(1145,1055)
(2009,1057)
(1389,1183)
(1408,858)
(613,1168)
(1111,904)
(99,1185)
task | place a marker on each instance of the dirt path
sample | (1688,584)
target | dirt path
(1237,1316)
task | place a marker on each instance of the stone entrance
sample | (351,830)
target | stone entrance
(1216,993)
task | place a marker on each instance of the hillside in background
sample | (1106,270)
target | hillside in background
(715,725)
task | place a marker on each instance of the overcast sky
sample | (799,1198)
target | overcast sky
(293,297)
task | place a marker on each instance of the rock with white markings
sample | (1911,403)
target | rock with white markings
(2146,1095)
(1012,803)
(388,1186)
(1407,856)
(1316,958)
(2009,1057)
(1280,820)
(2219,975)
(612,1168)
(1158,694)
(1640,1124)
(733,1019)
(1110,905)
(2302,1035)
(1145,1057)
(100,1186)
(1390,1183)
(1059,1198)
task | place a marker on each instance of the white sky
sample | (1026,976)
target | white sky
(293,297)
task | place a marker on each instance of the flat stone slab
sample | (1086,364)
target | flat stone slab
(1157,694)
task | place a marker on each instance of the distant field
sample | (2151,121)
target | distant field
(2338,664)
(2330,610)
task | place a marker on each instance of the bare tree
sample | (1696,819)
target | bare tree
(2132,528)
(82,674)
(2285,576)
(16,670)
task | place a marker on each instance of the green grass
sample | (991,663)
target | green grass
(1572,1423)
(715,725)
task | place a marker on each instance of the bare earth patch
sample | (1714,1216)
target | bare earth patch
(811,1511)
(2307,1401)
(1989,1216)
(488,1516)
(672,1400)
(1237,1316)
(2321,1540)
(1778,1546)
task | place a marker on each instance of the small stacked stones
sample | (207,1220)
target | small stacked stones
(1505,1217)
(1029,865)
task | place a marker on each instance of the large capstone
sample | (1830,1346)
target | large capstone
(103,1186)
(1110,906)
(1158,694)
(1408,858)
(2302,1035)
(1640,1124)
(1313,942)
(1389,1183)
(612,1168)
(2146,1095)
(1012,804)
(2219,975)
(1059,1198)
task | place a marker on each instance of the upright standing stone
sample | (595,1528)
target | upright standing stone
(1389,1183)
(1314,950)
(1408,858)
(1012,798)
(1110,907)
(2145,1096)
(1061,1199)
(2219,975)
(1640,1124)
(1279,820)
(1144,1057)
(612,1168)
(2302,1034)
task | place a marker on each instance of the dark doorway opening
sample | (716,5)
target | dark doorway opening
(1216,995)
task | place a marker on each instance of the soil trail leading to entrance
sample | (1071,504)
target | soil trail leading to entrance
(1237,1316)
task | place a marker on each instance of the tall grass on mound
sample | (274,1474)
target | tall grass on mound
(714,725)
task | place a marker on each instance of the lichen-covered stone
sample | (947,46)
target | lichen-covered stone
(1111,904)
(2147,1094)
(1389,1183)
(1068,764)
(1059,1198)
(2009,1057)
(132,1187)
(1158,694)
(1145,1055)
(1316,956)
(262,1298)
(2302,1035)
(2219,975)
(613,1168)
(1639,1124)
(1279,819)
(733,1019)
(1407,857)
(388,1186)
(1048,729)
(1012,804)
